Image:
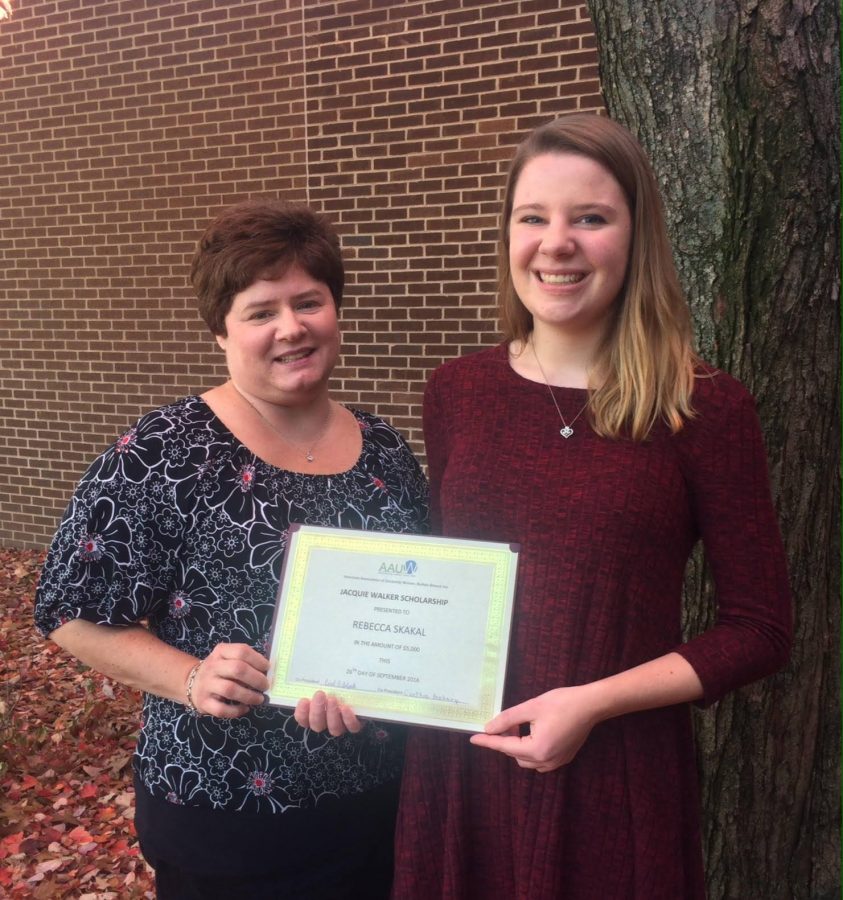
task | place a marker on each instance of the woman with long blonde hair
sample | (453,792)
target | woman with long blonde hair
(595,438)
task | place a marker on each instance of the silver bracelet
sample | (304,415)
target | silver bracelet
(194,709)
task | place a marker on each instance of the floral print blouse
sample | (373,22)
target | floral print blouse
(179,525)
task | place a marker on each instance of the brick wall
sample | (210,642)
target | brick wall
(125,125)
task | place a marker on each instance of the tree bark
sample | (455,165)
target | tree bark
(737,103)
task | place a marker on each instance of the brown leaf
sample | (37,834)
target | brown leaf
(49,865)
(65,751)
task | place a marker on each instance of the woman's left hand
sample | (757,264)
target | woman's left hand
(559,721)
(562,719)
(325,711)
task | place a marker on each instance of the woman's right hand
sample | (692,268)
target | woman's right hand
(229,682)
(326,711)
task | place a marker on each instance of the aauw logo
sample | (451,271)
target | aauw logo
(405,568)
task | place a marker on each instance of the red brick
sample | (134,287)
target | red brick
(124,133)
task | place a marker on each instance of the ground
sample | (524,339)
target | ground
(66,736)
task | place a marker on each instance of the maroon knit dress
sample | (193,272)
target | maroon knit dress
(605,528)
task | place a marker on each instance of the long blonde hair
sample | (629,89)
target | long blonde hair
(647,359)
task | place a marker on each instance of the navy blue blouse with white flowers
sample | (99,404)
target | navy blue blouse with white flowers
(179,524)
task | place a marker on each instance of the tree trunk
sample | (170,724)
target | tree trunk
(737,104)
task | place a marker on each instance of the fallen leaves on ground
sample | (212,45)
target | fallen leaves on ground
(66,739)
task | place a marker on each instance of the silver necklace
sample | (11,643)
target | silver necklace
(307,451)
(567,428)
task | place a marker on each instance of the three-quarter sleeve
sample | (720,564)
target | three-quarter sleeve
(725,467)
(112,559)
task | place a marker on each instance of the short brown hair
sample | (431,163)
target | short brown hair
(648,358)
(262,238)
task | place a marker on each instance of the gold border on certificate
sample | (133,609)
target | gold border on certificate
(403,628)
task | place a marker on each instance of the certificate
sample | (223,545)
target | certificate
(403,628)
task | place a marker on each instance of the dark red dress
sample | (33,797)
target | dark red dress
(605,528)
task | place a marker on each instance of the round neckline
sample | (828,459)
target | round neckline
(517,377)
(221,426)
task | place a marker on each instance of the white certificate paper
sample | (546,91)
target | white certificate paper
(403,628)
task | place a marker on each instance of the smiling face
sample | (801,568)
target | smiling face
(282,338)
(569,240)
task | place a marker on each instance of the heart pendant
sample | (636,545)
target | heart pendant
(566,432)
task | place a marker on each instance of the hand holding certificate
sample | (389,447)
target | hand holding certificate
(401,627)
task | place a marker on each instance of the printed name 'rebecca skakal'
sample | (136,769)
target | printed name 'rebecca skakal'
(385,626)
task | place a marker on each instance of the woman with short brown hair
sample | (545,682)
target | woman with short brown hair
(164,571)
